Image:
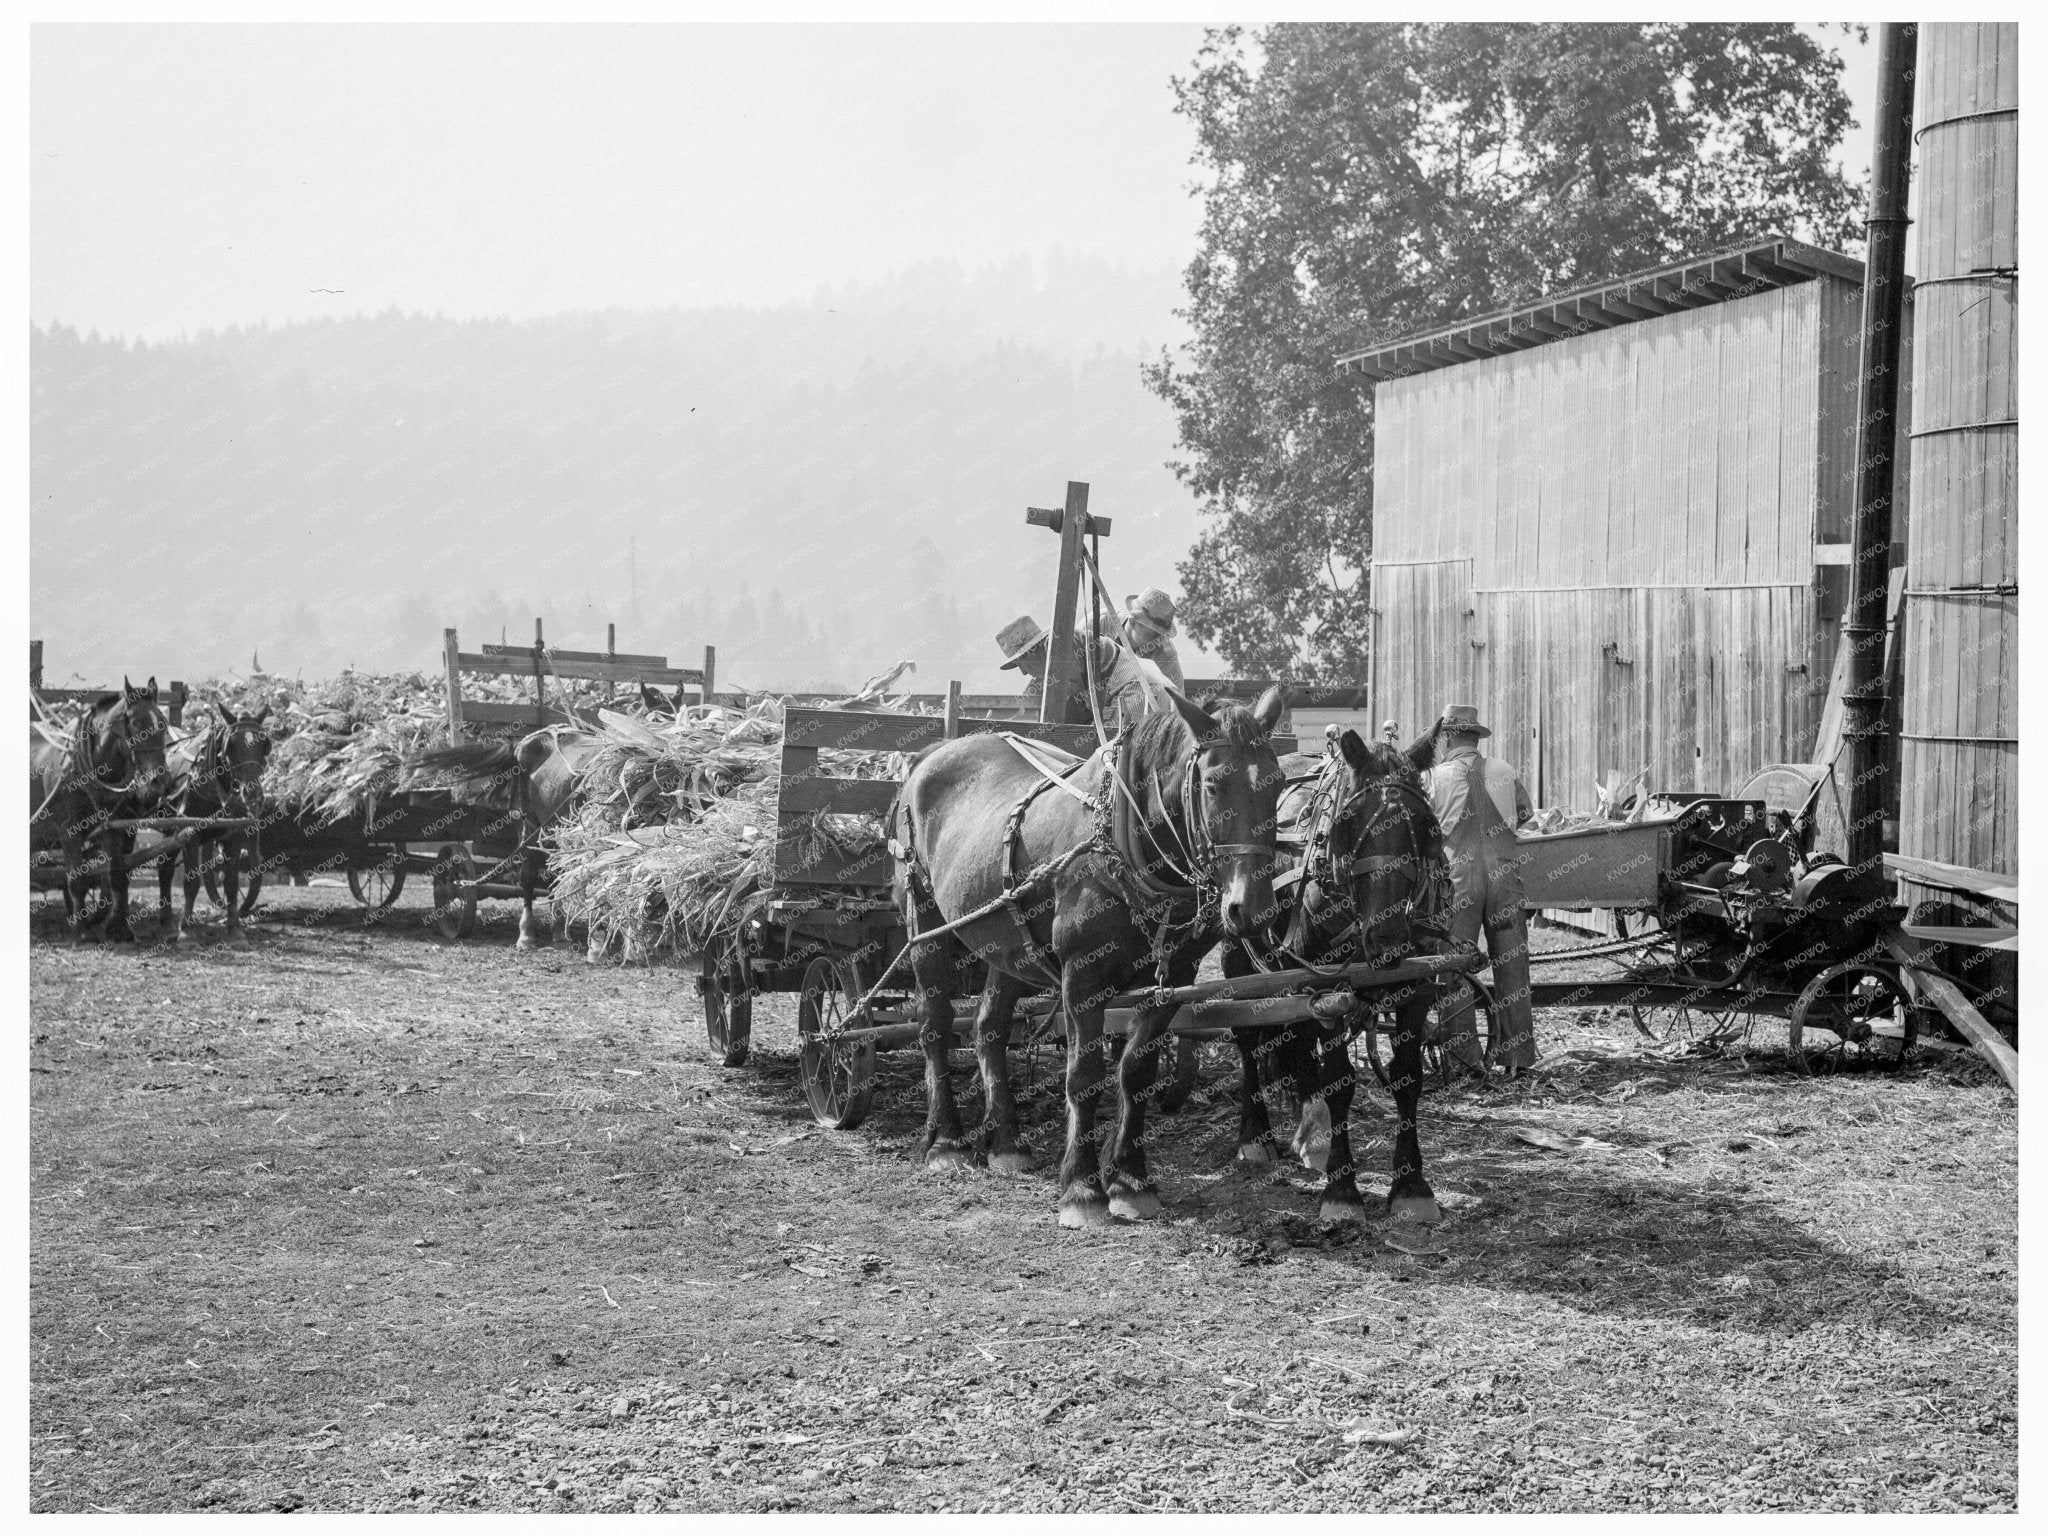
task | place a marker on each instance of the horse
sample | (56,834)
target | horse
(1371,886)
(109,768)
(215,772)
(1088,913)
(539,773)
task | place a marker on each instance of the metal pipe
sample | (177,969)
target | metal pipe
(1865,727)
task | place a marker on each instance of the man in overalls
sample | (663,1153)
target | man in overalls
(1479,801)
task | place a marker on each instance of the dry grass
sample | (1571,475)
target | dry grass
(358,1220)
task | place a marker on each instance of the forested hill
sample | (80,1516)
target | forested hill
(818,489)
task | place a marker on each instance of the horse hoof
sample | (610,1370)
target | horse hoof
(1079,1211)
(946,1157)
(1352,1210)
(1259,1154)
(1420,1209)
(1132,1202)
(1013,1164)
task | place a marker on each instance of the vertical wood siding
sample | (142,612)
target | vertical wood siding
(1630,518)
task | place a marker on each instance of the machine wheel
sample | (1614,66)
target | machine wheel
(252,879)
(377,886)
(728,1007)
(839,1075)
(455,893)
(1442,1066)
(1852,1015)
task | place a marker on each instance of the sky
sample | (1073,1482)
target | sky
(203,176)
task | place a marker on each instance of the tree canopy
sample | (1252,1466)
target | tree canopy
(1365,181)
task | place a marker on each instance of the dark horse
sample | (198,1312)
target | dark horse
(108,767)
(1127,870)
(1370,887)
(538,775)
(215,772)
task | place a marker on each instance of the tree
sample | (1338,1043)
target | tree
(1369,181)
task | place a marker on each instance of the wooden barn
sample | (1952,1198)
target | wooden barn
(1617,519)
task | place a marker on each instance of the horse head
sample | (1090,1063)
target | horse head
(1227,779)
(239,750)
(1384,852)
(124,736)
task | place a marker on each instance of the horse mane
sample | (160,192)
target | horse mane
(1235,725)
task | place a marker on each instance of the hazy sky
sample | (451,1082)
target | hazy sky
(203,176)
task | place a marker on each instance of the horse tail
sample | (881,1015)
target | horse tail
(466,760)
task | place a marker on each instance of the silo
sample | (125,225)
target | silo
(1959,716)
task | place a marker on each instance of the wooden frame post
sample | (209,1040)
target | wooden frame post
(452,652)
(710,671)
(540,687)
(35,663)
(952,709)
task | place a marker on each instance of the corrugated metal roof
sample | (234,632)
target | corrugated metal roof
(1770,262)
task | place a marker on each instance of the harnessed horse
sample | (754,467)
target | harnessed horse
(217,772)
(109,767)
(1154,847)
(1371,886)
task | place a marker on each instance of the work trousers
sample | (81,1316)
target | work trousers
(1494,907)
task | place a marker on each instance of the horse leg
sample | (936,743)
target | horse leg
(932,962)
(532,934)
(193,858)
(1332,1086)
(166,868)
(992,1048)
(1409,1197)
(1082,1203)
(118,845)
(230,887)
(78,880)
(1254,1130)
(1132,1194)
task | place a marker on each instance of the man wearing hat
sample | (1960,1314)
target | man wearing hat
(1479,801)
(1148,629)
(1130,687)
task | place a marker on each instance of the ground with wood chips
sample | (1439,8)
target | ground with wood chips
(355,1219)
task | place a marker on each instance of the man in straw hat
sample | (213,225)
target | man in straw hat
(1129,687)
(1148,628)
(1479,801)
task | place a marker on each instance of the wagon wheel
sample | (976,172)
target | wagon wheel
(1853,1015)
(377,885)
(251,865)
(838,1075)
(455,892)
(728,1007)
(1443,1065)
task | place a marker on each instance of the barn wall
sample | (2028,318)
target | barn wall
(1606,543)
(1959,718)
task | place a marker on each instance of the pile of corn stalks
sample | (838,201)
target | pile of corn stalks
(673,848)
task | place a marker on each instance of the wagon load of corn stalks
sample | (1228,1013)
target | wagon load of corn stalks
(673,847)
(341,742)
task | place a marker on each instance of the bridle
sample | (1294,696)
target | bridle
(216,764)
(1197,869)
(121,736)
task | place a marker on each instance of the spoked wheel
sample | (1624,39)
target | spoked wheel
(1446,1062)
(728,1007)
(1851,1016)
(249,867)
(455,893)
(839,1075)
(377,885)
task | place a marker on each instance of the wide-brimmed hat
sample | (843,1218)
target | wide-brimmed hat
(1152,607)
(1017,638)
(1463,718)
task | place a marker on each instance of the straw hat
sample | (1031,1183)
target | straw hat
(1017,638)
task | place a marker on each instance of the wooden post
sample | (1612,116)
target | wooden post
(952,709)
(611,641)
(710,670)
(540,687)
(452,652)
(35,663)
(1063,667)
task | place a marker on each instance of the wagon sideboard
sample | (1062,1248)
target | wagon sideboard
(1630,865)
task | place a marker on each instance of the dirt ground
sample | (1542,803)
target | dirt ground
(356,1219)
